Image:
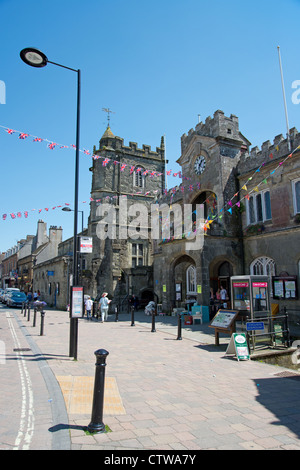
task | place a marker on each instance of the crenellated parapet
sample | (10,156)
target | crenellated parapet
(219,127)
(269,151)
(110,142)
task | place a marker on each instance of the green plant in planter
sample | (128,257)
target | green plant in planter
(297,219)
(255,229)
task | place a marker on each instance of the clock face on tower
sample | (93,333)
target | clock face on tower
(199,166)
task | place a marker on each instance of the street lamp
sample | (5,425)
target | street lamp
(36,58)
(67,209)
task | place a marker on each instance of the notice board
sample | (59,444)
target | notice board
(224,322)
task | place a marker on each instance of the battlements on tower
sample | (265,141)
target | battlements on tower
(111,142)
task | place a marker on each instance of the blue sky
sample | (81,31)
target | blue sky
(157,65)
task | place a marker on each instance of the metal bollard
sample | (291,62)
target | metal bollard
(117,314)
(42,323)
(179,327)
(153,330)
(34,317)
(132,316)
(96,425)
(25,307)
(28,313)
(22,307)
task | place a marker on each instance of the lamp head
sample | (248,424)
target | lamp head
(33,57)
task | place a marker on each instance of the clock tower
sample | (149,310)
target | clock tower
(210,152)
(188,273)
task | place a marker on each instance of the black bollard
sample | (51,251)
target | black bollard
(25,307)
(34,317)
(132,316)
(179,327)
(117,314)
(153,330)
(42,323)
(22,307)
(28,313)
(96,425)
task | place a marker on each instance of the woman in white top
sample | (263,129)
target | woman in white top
(103,304)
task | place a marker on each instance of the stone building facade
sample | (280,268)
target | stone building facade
(210,154)
(248,227)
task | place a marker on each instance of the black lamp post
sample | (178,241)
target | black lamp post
(36,58)
(67,209)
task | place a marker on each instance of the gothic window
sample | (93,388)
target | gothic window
(138,177)
(259,207)
(296,196)
(137,255)
(263,266)
(191,287)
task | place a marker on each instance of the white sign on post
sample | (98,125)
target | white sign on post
(77,302)
(86,244)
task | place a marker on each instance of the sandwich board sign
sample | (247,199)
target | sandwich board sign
(238,346)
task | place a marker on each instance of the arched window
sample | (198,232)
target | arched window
(139,177)
(263,266)
(191,284)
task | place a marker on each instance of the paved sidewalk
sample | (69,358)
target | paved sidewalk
(162,393)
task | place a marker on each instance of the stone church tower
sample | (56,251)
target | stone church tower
(122,176)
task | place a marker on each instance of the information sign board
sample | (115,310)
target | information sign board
(77,302)
(238,346)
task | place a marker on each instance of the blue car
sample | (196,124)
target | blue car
(16,299)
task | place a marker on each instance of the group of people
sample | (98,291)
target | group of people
(33,297)
(103,306)
(221,297)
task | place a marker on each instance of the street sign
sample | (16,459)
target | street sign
(253,326)
(86,244)
(238,346)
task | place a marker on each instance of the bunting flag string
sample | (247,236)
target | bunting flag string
(229,205)
(52,145)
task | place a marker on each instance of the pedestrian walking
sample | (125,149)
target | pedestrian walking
(223,295)
(103,304)
(88,306)
(29,297)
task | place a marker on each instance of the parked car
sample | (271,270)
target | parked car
(7,291)
(16,299)
(1,293)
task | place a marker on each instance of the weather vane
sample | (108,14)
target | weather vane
(108,111)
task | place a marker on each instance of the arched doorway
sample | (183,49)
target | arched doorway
(185,281)
(220,272)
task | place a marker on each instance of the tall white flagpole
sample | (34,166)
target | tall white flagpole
(284,100)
